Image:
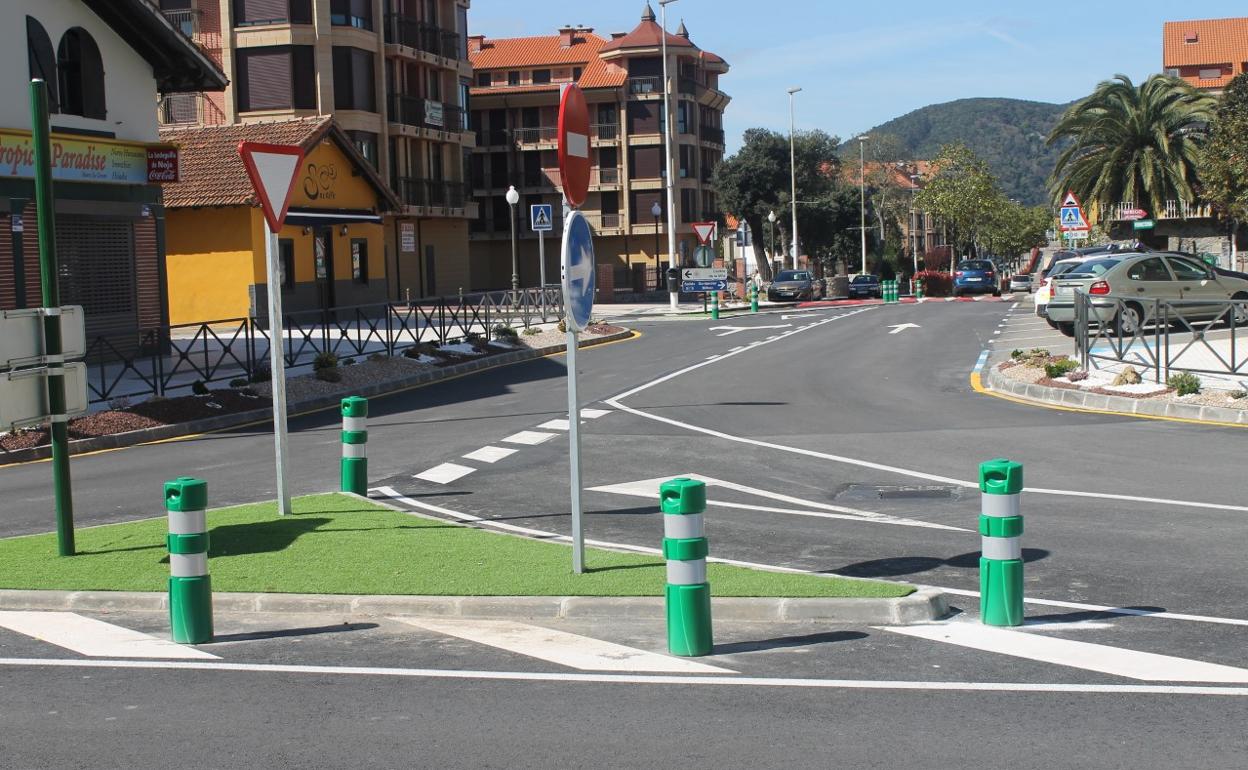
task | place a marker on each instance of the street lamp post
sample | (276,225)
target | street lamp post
(793,171)
(513,198)
(656,210)
(771,232)
(862,196)
(673,290)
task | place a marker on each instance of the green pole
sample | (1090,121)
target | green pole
(687,593)
(190,587)
(1001,553)
(715,306)
(354,469)
(753,298)
(53,350)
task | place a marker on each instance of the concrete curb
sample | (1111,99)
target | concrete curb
(1078,399)
(211,424)
(922,606)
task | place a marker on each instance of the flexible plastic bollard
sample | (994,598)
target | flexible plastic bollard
(715,306)
(1001,558)
(688,594)
(918,288)
(753,298)
(355,445)
(190,588)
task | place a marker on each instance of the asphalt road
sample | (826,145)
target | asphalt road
(830,444)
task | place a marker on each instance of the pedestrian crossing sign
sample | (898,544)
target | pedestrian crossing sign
(541,217)
(1072,217)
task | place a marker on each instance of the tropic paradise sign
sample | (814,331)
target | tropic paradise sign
(83,159)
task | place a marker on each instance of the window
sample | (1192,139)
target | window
(366,143)
(1151,269)
(687,166)
(275,78)
(252,12)
(42,59)
(645,162)
(541,77)
(642,205)
(461,19)
(643,117)
(513,78)
(483,79)
(351,13)
(576,73)
(682,117)
(80,73)
(1211,73)
(359,260)
(354,81)
(286,263)
(1187,271)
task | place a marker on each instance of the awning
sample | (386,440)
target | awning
(330,217)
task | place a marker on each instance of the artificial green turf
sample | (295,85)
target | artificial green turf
(336,544)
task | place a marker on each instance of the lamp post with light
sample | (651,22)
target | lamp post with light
(673,290)
(862,196)
(793,171)
(771,233)
(656,210)
(513,198)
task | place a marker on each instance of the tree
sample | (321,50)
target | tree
(1010,229)
(1133,144)
(961,191)
(1223,165)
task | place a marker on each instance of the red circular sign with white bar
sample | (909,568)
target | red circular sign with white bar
(574,145)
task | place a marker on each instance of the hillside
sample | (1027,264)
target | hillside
(1008,133)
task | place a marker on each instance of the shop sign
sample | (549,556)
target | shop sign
(433,113)
(83,159)
(162,164)
(407,236)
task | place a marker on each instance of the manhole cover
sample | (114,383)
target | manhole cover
(898,492)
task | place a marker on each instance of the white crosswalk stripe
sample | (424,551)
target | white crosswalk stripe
(94,638)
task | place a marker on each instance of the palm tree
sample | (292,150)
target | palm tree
(1129,143)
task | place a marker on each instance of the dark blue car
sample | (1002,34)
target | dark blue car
(976,276)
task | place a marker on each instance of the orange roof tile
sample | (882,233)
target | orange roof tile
(535,51)
(1217,41)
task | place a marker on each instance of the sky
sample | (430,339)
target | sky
(860,64)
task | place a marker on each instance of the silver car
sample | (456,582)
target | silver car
(1114,282)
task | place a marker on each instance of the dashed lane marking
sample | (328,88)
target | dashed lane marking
(88,636)
(554,425)
(445,473)
(529,437)
(594,414)
(490,454)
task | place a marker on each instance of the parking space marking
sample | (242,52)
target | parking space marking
(88,636)
(529,437)
(554,425)
(594,414)
(561,647)
(445,473)
(490,454)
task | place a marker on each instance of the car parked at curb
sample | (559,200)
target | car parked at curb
(865,286)
(795,286)
(976,276)
(1120,287)
(1020,282)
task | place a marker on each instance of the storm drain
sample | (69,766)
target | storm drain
(864,492)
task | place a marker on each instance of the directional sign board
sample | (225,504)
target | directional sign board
(24,395)
(1072,218)
(705,231)
(542,218)
(573,145)
(704,274)
(578,270)
(697,286)
(1143,224)
(21,336)
(272,169)
(1132,215)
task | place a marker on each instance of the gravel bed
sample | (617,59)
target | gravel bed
(356,376)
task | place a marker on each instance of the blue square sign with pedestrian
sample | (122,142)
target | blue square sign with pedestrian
(542,218)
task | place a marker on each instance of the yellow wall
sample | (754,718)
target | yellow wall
(209,263)
(326,181)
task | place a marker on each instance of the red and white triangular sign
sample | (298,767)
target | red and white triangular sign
(1071,200)
(272,169)
(705,231)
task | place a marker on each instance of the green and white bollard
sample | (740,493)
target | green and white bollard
(190,588)
(1001,557)
(753,298)
(715,306)
(355,445)
(688,593)
(918,289)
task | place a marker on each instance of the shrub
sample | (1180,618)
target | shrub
(325,360)
(1078,375)
(1017,354)
(1128,376)
(375,357)
(348,362)
(239,382)
(119,403)
(262,373)
(1238,394)
(1059,367)
(1184,383)
(1036,357)
(531,331)
(329,375)
(935,283)
(563,326)
(199,388)
(505,332)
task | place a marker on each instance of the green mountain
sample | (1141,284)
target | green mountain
(1007,133)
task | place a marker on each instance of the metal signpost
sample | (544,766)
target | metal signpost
(578,278)
(542,221)
(273,169)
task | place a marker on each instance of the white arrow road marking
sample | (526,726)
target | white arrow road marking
(96,638)
(1145,666)
(899,328)
(571,650)
(649,488)
(727,330)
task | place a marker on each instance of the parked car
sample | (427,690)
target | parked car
(1044,289)
(975,276)
(865,286)
(1061,255)
(1149,276)
(1020,282)
(795,286)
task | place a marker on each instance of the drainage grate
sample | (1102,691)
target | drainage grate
(898,492)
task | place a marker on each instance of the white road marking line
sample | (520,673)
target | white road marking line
(554,425)
(1129,611)
(631,679)
(490,454)
(1144,666)
(529,437)
(594,414)
(565,649)
(88,636)
(445,473)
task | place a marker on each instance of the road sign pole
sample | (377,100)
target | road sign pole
(53,352)
(541,258)
(277,356)
(574,457)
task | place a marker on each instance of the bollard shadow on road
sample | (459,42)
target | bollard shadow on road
(779,643)
(913,565)
(281,633)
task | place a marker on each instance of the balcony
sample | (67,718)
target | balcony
(431,193)
(541,135)
(712,134)
(186,20)
(605,132)
(604,177)
(423,113)
(188,110)
(1171,210)
(414,33)
(645,85)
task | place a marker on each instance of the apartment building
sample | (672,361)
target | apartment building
(1206,53)
(515,106)
(394,76)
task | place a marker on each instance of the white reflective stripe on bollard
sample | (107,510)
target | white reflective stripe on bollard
(1001,548)
(1000,506)
(188,564)
(355,450)
(682,526)
(686,573)
(187,522)
(355,423)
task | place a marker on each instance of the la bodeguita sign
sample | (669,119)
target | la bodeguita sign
(81,159)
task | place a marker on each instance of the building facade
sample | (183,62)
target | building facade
(1206,53)
(394,74)
(515,108)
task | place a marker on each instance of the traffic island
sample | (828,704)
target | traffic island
(345,553)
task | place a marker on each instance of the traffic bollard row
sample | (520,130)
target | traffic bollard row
(688,594)
(1001,557)
(355,445)
(190,588)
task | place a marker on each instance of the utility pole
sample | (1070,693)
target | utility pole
(673,287)
(862,196)
(793,171)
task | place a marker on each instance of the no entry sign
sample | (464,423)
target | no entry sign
(574,145)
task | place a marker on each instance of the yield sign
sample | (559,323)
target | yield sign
(272,169)
(574,145)
(705,231)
